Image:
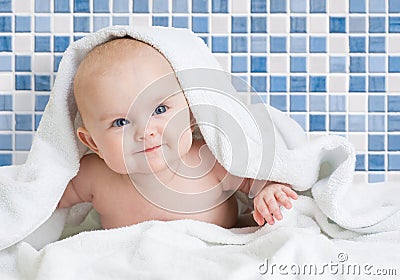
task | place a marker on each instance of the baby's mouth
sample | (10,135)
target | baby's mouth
(151,149)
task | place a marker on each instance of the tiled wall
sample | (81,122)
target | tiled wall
(334,66)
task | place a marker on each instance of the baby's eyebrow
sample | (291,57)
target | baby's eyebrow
(112,116)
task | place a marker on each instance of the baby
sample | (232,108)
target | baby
(143,138)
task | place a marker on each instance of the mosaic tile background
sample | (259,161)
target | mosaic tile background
(333,66)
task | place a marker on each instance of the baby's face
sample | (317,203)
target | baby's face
(136,113)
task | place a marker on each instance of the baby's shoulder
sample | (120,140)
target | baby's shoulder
(93,165)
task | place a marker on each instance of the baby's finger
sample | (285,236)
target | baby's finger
(283,200)
(290,193)
(258,217)
(265,212)
(273,207)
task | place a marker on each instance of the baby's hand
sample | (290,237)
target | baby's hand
(267,202)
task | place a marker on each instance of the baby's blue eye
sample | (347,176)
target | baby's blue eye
(160,110)
(120,122)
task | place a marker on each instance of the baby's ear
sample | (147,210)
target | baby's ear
(85,137)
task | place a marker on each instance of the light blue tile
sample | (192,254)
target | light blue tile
(377,64)
(101,6)
(278,102)
(258,24)
(337,123)
(38,117)
(180,6)
(258,83)
(376,84)
(318,6)
(298,103)
(298,44)
(258,44)
(258,6)
(163,21)
(22,24)
(357,123)
(239,24)
(61,43)
(219,6)
(121,6)
(376,142)
(377,6)
(42,6)
(140,6)
(160,6)
(121,20)
(317,103)
(277,44)
(100,22)
(5,6)
(23,63)
(394,24)
(199,6)
(81,24)
(239,44)
(298,25)
(6,142)
(277,6)
(62,6)
(6,122)
(337,103)
(376,123)
(57,60)
(357,25)
(298,6)
(394,162)
(394,6)
(317,44)
(5,24)
(357,6)
(377,25)
(239,64)
(42,24)
(376,162)
(337,64)
(23,142)
(376,178)
(394,103)
(219,44)
(6,102)
(394,123)
(200,24)
(360,163)
(357,44)
(298,84)
(180,22)
(357,84)
(42,44)
(394,143)
(23,122)
(376,103)
(377,44)
(41,102)
(301,119)
(278,84)
(5,63)
(298,64)
(394,64)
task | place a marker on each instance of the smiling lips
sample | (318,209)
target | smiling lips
(152,149)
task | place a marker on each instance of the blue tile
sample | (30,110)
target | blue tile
(200,24)
(278,102)
(180,22)
(393,162)
(376,142)
(42,83)
(160,6)
(258,64)
(376,162)
(394,6)
(394,143)
(377,44)
(121,6)
(239,44)
(240,83)
(360,163)
(5,24)
(124,21)
(258,44)
(219,44)
(5,64)
(377,6)
(337,64)
(258,24)
(57,60)
(82,6)
(140,6)
(6,102)
(38,117)
(394,103)
(62,6)
(394,64)
(376,103)
(42,43)
(199,6)
(377,64)
(298,6)
(5,44)
(317,103)
(298,64)
(23,142)
(357,6)
(376,178)
(6,122)
(357,123)
(42,24)
(317,123)
(298,44)
(239,24)
(41,102)
(278,84)
(357,25)
(258,99)
(300,119)
(163,21)
(337,103)
(179,6)
(376,84)
(259,84)
(5,6)
(357,64)
(298,103)
(239,64)
(23,82)
(258,6)
(317,84)
(277,6)
(42,6)
(61,43)
(337,123)
(317,6)
(357,44)
(100,22)
(22,24)
(376,123)
(298,84)
(337,25)
(277,44)
(393,123)
(5,159)
(394,24)
(317,44)
(102,6)
(205,40)
(5,142)
(298,25)
(377,25)
(81,24)
(220,6)
(23,122)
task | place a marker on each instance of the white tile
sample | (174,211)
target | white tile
(220,24)
(141,20)
(338,6)
(278,24)
(317,64)
(393,83)
(360,177)
(23,43)
(393,44)
(318,24)
(240,6)
(224,61)
(278,64)
(359,141)
(358,103)
(19,158)
(6,82)
(24,102)
(23,6)
(62,23)
(338,84)
(42,63)
(393,176)
(338,44)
